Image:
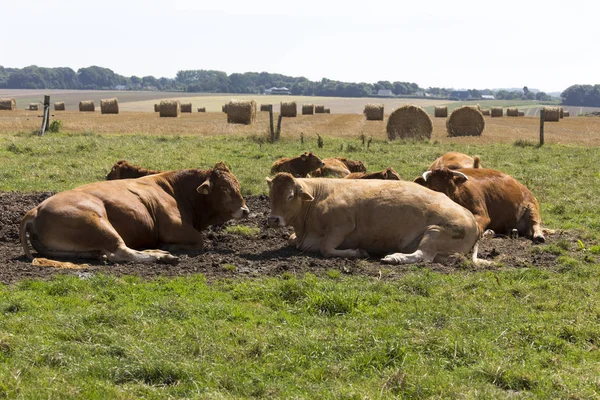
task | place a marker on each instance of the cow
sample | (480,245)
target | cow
(299,166)
(388,173)
(114,219)
(498,201)
(455,160)
(123,170)
(338,167)
(339,218)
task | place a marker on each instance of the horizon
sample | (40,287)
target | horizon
(439,44)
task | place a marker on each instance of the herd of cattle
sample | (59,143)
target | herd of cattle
(144,215)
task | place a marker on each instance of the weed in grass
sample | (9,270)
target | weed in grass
(524,143)
(332,304)
(55,126)
(334,274)
(5,343)
(242,230)
(229,267)
(509,379)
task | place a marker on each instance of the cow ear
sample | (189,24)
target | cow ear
(420,181)
(304,156)
(221,166)
(204,188)
(269,181)
(306,196)
(459,179)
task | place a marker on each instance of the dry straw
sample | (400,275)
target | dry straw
(551,114)
(327,111)
(266,107)
(319,109)
(308,109)
(374,112)
(441,112)
(33,107)
(156,107)
(465,121)
(59,106)
(224,108)
(289,109)
(241,112)
(202,109)
(521,113)
(169,108)
(497,112)
(186,107)
(87,105)
(562,112)
(109,106)
(8,104)
(566,113)
(485,111)
(512,112)
(409,122)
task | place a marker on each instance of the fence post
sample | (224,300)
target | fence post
(278,133)
(46,116)
(271,129)
(542,118)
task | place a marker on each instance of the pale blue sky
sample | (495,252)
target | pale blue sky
(548,45)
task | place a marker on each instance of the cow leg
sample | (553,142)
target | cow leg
(124,253)
(182,238)
(402,258)
(332,240)
(536,225)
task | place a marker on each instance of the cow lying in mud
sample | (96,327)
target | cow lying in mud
(123,170)
(114,219)
(342,218)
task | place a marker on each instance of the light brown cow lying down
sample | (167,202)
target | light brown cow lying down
(299,166)
(455,160)
(113,218)
(342,218)
(388,173)
(123,170)
(338,167)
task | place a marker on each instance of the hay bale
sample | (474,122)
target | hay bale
(521,113)
(288,109)
(465,121)
(87,105)
(33,107)
(156,107)
(109,106)
(551,114)
(266,107)
(566,113)
(409,122)
(441,112)
(320,109)
(497,112)
(202,109)
(224,108)
(308,109)
(485,111)
(59,106)
(512,112)
(169,108)
(374,112)
(9,104)
(186,107)
(241,112)
(562,112)
(327,111)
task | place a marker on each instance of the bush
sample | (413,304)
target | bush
(55,126)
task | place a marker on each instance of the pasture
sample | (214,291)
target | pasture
(250,317)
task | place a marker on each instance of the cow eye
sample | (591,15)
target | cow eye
(290,197)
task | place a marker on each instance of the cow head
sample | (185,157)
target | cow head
(222,191)
(311,161)
(115,172)
(287,197)
(390,173)
(355,166)
(442,180)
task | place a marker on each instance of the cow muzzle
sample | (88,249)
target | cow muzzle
(275,222)
(241,212)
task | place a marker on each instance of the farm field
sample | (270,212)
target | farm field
(251,317)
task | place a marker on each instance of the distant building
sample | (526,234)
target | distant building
(276,90)
(487,97)
(121,87)
(460,95)
(385,93)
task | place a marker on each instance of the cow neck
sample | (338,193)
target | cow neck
(184,184)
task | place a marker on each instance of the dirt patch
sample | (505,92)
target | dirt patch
(263,254)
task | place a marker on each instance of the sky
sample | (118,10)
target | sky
(547,45)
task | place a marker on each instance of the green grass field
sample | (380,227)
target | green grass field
(511,333)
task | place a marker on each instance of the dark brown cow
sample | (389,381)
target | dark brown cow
(110,219)
(388,173)
(123,170)
(455,160)
(338,167)
(497,200)
(299,166)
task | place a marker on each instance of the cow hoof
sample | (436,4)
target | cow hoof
(488,233)
(362,253)
(169,259)
(539,239)
(389,260)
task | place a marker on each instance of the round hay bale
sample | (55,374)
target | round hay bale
(497,112)
(169,108)
(7,103)
(33,106)
(441,112)
(512,112)
(327,111)
(308,109)
(374,112)
(485,111)
(566,113)
(409,122)
(186,107)
(266,107)
(156,107)
(59,106)
(551,114)
(289,109)
(224,108)
(521,113)
(87,105)
(562,112)
(465,121)
(202,109)
(320,109)
(241,112)
(109,106)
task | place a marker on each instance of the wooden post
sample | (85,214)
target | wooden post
(46,116)
(272,130)
(278,133)
(542,118)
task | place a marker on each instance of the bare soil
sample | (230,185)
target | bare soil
(266,254)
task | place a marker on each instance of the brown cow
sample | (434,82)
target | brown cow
(123,170)
(112,218)
(298,166)
(340,218)
(455,160)
(498,201)
(388,173)
(338,167)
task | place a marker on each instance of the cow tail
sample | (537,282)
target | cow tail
(476,162)
(26,226)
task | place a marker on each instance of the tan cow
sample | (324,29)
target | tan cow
(299,166)
(342,218)
(498,201)
(338,167)
(123,170)
(112,219)
(455,160)
(388,173)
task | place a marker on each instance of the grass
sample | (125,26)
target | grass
(242,230)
